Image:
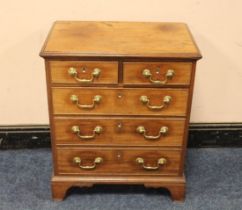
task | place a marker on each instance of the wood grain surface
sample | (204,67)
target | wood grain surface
(118,131)
(108,75)
(127,104)
(123,39)
(133,72)
(117,161)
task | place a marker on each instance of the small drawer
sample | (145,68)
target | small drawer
(101,161)
(83,72)
(157,73)
(102,131)
(104,101)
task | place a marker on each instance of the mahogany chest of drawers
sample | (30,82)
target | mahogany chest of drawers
(119,103)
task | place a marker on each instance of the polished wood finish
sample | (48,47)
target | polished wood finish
(122,39)
(117,161)
(133,73)
(59,72)
(120,101)
(122,50)
(119,131)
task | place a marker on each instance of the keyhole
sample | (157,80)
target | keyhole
(157,71)
(120,95)
(119,155)
(119,126)
(83,70)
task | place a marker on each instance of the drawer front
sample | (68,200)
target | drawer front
(119,131)
(157,73)
(84,72)
(117,161)
(103,101)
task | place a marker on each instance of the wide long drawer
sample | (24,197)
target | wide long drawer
(119,131)
(104,101)
(117,161)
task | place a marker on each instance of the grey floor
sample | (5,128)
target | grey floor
(214,182)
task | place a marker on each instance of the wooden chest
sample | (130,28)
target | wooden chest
(119,103)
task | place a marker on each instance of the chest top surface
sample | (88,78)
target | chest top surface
(120,39)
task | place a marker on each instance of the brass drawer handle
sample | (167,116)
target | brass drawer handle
(163,131)
(160,162)
(78,161)
(73,73)
(166,101)
(168,76)
(76,129)
(96,100)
